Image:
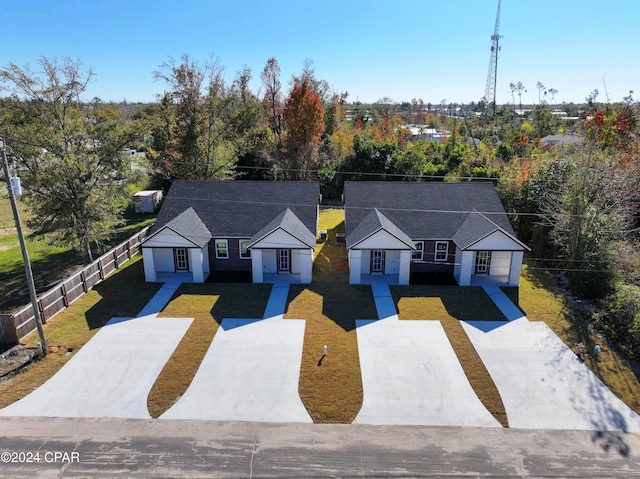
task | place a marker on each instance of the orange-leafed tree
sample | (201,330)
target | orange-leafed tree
(304,122)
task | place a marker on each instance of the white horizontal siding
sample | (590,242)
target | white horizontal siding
(279,239)
(500,263)
(381,240)
(269,261)
(496,241)
(163,260)
(168,239)
(392,262)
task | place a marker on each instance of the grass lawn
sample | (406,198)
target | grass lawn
(208,304)
(541,300)
(450,305)
(331,390)
(70,329)
(50,263)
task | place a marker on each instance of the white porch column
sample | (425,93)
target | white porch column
(149,266)
(516,267)
(206,270)
(256,265)
(405,267)
(195,259)
(458,263)
(306,265)
(466,268)
(354,266)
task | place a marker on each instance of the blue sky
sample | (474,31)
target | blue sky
(401,49)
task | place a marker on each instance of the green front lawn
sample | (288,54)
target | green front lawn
(331,389)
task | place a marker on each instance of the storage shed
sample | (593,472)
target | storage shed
(147,201)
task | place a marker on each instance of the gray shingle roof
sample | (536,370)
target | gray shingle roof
(291,224)
(423,210)
(474,228)
(189,225)
(239,209)
(372,223)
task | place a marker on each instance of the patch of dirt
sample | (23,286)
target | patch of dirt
(15,358)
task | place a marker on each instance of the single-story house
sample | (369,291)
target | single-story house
(403,228)
(266,229)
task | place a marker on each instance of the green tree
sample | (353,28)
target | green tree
(588,213)
(273,96)
(70,152)
(372,159)
(545,122)
(205,125)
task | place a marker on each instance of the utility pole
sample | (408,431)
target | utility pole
(23,247)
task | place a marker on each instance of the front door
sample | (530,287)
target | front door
(284,261)
(181,259)
(377,261)
(483,262)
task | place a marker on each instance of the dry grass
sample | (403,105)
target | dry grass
(70,329)
(541,300)
(208,304)
(450,305)
(331,387)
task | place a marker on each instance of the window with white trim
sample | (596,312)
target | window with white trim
(245,252)
(222,249)
(416,255)
(442,250)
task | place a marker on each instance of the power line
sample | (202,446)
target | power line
(319,172)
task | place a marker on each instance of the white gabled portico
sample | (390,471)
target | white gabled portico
(162,254)
(285,247)
(498,255)
(380,253)
(179,247)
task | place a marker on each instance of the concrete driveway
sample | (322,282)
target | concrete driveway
(542,383)
(412,376)
(112,374)
(410,373)
(250,372)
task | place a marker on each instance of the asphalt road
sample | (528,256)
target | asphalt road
(137,448)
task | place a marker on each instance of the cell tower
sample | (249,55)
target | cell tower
(492,75)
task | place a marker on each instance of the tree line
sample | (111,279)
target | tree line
(576,205)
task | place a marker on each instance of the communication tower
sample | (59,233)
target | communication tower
(492,75)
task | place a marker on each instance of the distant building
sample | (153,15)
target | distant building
(418,132)
(554,140)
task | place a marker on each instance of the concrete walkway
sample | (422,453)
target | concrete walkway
(251,370)
(410,373)
(504,304)
(542,383)
(112,374)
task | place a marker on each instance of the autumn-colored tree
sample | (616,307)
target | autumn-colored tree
(334,113)
(611,127)
(304,120)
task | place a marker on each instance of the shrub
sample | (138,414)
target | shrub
(618,317)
